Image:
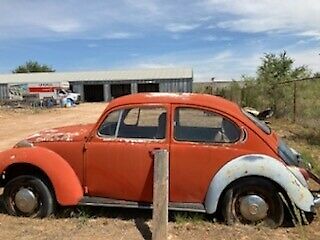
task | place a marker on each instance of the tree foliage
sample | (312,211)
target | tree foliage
(33,66)
(268,88)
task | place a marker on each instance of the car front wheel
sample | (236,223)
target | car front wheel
(253,201)
(28,196)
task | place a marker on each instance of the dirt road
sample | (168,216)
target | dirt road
(17,124)
(94,223)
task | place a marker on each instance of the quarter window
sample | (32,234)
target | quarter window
(108,127)
(197,125)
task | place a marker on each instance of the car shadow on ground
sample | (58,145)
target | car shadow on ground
(141,217)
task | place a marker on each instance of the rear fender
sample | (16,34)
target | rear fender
(67,187)
(288,178)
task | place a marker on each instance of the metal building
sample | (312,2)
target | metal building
(95,86)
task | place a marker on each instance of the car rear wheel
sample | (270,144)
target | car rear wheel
(253,201)
(28,196)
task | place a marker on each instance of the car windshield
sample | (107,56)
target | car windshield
(261,124)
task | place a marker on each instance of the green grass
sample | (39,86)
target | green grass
(184,217)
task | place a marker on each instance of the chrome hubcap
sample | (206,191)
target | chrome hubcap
(25,200)
(253,207)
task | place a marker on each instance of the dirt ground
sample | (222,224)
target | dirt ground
(94,223)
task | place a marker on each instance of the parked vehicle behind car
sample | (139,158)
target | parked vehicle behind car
(221,158)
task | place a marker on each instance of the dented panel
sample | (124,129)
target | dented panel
(264,166)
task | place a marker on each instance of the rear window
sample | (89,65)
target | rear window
(199,125)
(261,124)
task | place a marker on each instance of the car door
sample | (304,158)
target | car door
(119,160)
(203,140)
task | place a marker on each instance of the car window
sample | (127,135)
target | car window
(145,123)
(198,125)
(109,125)
(132,116)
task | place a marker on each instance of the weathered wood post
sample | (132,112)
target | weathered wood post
(294,101)
(160,195)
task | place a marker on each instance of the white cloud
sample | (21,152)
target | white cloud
(308,57)
(120,35)
(74,18)
(268,15)
(206,64)
(181,27)
(166,21)
(212,38)
(92,45)
(67,26)
(155,65)
(315,35)
(79,18)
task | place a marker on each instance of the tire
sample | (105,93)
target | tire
(253,201)
(28,196)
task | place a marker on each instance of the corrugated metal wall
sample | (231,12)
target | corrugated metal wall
(176,85)
(4,91)
(165,85)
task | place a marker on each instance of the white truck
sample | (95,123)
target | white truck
(56,91)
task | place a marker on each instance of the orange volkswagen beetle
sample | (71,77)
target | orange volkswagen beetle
(221,159)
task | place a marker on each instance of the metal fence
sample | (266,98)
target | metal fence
(297,100)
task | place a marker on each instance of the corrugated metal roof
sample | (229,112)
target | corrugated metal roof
(141,74)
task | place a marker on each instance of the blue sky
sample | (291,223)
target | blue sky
(220,38)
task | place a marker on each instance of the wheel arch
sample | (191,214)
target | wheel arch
(18,169)
(258,166)
(236,181)
(48,164)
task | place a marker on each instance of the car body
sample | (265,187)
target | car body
(216,152)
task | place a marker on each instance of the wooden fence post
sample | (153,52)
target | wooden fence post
(160,195)
(294,101)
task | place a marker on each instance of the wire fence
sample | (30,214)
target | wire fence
(297,100)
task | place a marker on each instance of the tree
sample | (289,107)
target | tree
(317,75)
(275,70)
(33,66)
(251,93)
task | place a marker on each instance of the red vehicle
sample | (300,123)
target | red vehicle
(221,159)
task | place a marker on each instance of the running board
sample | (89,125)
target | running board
(108,202)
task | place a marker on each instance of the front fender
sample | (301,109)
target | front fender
(66,184)
(264,166)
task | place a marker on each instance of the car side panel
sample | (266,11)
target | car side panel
(72,152)
(65,182)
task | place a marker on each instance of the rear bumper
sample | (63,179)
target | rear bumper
(316,194)
(316,201)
